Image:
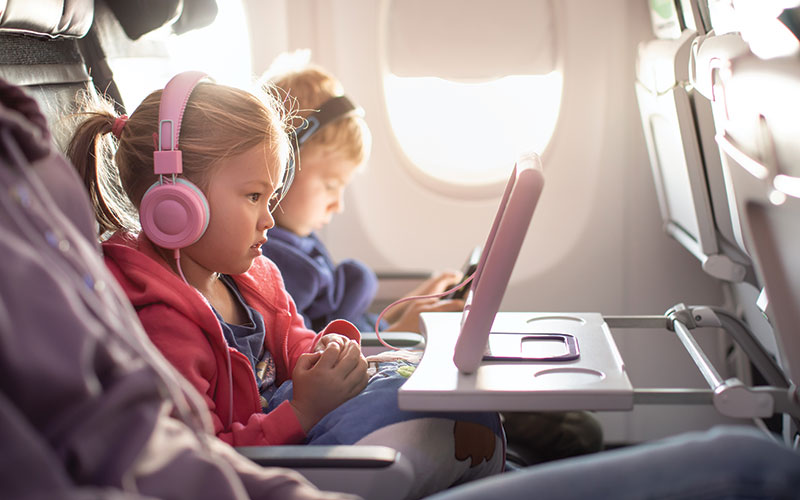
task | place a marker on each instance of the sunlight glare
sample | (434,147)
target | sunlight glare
(469,133)
(221,49)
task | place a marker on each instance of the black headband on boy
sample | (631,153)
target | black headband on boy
(330,111)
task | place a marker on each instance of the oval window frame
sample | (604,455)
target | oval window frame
(436,184)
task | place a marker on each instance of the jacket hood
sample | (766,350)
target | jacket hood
(148,279)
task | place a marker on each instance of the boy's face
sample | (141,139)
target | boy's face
(316,193)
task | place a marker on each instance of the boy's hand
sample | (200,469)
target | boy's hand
(437,283)
(409,320)
(327,378)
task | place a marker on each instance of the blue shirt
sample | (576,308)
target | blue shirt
(248,339)
(322,290)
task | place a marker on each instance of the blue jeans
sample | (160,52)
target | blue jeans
(725,462)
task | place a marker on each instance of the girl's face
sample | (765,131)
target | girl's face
(317,192)
(240,192)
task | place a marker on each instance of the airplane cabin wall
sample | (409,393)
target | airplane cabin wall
(596,241)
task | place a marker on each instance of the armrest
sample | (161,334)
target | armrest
(367,471)
(297,456)
(398,339)
(404,340)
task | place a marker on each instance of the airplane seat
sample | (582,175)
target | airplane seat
(752,88)
(41,53)
(687,177)
(51,50)
(758,101)
(709,56)
(706,52)
(693,191)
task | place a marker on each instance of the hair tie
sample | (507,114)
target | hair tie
(119,124)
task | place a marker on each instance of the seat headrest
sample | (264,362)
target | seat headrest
(49,18)
(138,17)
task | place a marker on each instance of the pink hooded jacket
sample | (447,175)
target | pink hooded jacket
(181,323)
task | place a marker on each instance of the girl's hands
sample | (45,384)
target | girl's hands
(326,378)
(329,338)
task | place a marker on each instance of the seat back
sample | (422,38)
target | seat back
(40,52)
(721,130)
(54,49)
(759,102)
(707,54)
(755,99)
(686,168)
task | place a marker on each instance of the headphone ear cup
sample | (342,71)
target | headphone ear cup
(174,215)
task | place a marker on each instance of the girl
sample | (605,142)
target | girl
(233,332)
(217,308)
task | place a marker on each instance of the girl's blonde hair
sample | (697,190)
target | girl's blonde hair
(218,122)
(303,91)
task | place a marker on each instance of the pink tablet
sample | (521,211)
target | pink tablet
(497,261)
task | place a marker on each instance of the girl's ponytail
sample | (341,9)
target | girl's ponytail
(91,152)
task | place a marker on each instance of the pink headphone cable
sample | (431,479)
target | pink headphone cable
(414,297)
(177,255)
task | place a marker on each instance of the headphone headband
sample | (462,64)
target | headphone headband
(167,158)
(330,111)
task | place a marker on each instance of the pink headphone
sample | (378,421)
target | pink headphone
(174,212)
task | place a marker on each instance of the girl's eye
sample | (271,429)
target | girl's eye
(254,197)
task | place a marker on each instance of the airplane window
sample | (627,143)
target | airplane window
(469,133)
(465,101)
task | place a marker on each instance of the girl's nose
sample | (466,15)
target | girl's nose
(268,221)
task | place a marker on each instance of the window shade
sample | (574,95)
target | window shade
(470,40)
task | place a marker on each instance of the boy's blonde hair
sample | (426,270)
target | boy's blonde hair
(303,91)
(218,122)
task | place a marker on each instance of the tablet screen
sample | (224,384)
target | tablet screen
(499,255)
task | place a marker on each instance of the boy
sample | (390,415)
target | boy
(331,145)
